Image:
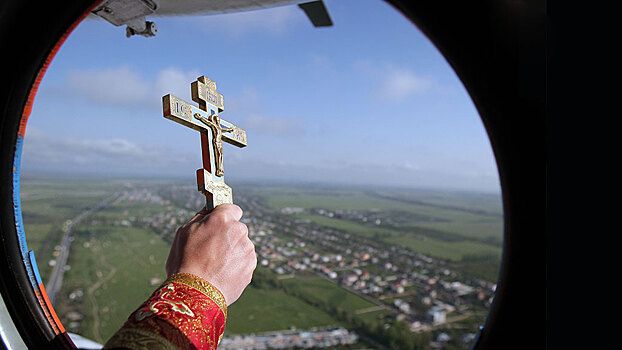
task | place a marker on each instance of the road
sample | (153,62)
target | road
(56,277)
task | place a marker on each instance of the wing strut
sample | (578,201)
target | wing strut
(317,13)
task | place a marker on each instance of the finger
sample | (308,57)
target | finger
(241,230)
(231,211)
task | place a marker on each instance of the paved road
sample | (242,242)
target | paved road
(56,277)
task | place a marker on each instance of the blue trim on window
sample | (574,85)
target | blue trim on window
(33,271)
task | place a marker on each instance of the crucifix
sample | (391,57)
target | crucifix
(206,120)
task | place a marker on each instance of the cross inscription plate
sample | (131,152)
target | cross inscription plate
(206,120)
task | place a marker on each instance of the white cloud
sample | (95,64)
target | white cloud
(123,86)
(275,20)
(409,166)
(393,82)
(112,155)
(402,82)
(360,173)
(120,85)
(175,81)
(121,156)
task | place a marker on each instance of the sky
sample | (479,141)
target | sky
(369,101)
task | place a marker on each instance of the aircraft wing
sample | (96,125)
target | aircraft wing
(134,13)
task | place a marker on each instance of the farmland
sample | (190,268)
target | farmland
(328,256)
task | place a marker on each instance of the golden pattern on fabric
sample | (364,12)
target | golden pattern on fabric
(203,286)
(185,310)
(138,339)
(163,298)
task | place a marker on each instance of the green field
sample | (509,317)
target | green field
(115,267)
(47,202)
(260,310)
(321,290)
(469,224)
(299,302)
(442,204)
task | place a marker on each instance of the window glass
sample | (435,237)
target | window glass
(368,184)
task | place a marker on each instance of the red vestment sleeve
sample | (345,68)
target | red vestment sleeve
(185,312)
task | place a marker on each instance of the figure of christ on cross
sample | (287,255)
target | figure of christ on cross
(213,122)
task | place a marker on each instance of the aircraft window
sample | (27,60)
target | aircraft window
(369,185)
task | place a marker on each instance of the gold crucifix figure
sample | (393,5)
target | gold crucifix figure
(213,122)
(206,119)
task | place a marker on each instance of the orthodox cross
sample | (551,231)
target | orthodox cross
(205,119)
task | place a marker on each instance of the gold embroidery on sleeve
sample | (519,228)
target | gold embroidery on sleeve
(202,286)
(154,307)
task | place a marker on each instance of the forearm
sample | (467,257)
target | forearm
(185,312)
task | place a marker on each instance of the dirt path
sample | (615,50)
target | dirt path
(371,309)
(91,294)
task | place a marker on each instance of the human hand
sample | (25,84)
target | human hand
(214,245)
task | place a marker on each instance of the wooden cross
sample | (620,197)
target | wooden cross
(210,179)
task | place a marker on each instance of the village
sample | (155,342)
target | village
(419,289)
(288,339)
(416,289)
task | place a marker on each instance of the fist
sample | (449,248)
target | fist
(214,245)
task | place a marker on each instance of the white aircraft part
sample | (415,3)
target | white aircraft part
(119,12)
(166,8)
(83,343)
(10,336)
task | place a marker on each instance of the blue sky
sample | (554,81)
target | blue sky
(368,101)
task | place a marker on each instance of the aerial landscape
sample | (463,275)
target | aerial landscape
(340,267)
(369,185)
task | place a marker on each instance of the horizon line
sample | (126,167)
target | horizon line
(246,181)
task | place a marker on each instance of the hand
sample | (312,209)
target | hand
(215,246)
